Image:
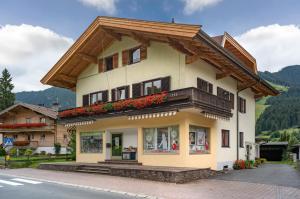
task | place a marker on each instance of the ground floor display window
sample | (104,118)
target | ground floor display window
(199,140)
(163,139)
(91,142)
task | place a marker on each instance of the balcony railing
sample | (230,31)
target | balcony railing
(181,98)
(202,97)
(22,125)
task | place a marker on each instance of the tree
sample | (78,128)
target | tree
(7,97)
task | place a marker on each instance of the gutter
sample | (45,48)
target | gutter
(202,35)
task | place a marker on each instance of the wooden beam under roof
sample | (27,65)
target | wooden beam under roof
(223,75)
(89,58)
(139,38)
(180,47)
(111,33)
(68,78)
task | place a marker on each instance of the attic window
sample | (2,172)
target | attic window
(109,63)
(135,55)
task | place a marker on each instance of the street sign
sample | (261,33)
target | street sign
(8,141)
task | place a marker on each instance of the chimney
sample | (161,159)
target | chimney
(55,106)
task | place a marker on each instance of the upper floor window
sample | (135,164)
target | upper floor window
(226,95)
(242,105)
(121,93)
(225,138)
(135,55)
(204,85)
(28,120)
(96,97)
(152,87)
(42,120)
(109,63)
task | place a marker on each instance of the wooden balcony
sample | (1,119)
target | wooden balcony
(185,98)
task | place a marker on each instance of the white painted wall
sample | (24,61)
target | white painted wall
(1,138)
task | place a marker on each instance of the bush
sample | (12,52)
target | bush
(13,151)
(43,153)
(57,148)
(28,152)
(263,160)
(2,151)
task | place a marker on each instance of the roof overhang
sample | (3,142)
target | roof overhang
(188,39)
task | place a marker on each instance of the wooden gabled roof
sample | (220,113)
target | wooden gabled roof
(188,39)
(230,44)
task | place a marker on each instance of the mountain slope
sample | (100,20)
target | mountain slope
(64,97)
(283,111)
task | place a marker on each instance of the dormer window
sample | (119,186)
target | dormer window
(135,55)
(109,63)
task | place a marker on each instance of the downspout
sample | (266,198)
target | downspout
(237,117)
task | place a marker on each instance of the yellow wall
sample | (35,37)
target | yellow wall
(181,159)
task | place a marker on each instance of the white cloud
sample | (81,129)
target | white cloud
(108,6)
(192,6)
(28,52)
(274,46)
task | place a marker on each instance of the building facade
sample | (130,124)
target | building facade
(30,126)
(163,94)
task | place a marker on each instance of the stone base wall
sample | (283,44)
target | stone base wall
(154,174)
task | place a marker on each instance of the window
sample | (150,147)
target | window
(42,120)
(91,142)
(165,139)
(198,140)
(65,138)
(28,120)
(135,55)
(225,138)
(32,136)
(96,97)
(226,95)
(242,105)
(43,137)
(15,137)
(204,85)
(121,93)
(242,139)
(152,87)
(109,61)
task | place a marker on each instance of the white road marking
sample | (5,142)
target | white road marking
(26,181)
(10,183)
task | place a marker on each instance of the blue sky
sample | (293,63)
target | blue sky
(267,29)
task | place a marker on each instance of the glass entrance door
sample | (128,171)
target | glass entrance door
(116,149)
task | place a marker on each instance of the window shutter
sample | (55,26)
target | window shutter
(113,94)
(100,66)
(115,60)
(125,57)
(136,90)
(219,92)
(199,83)
(143,52)
(105,96)
(244,106)
(231,97)
(85,100)
(165,83)
(127,94)
(210,88)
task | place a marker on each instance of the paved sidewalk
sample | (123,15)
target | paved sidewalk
(273,174)
(208,189)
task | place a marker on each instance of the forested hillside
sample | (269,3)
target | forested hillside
(47,97)
(280,113)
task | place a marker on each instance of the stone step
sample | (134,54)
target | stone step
(94,168)
(128,162)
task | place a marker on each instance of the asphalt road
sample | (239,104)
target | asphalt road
(23,188)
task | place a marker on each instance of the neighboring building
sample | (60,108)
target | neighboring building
(33,126)
(167,92)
